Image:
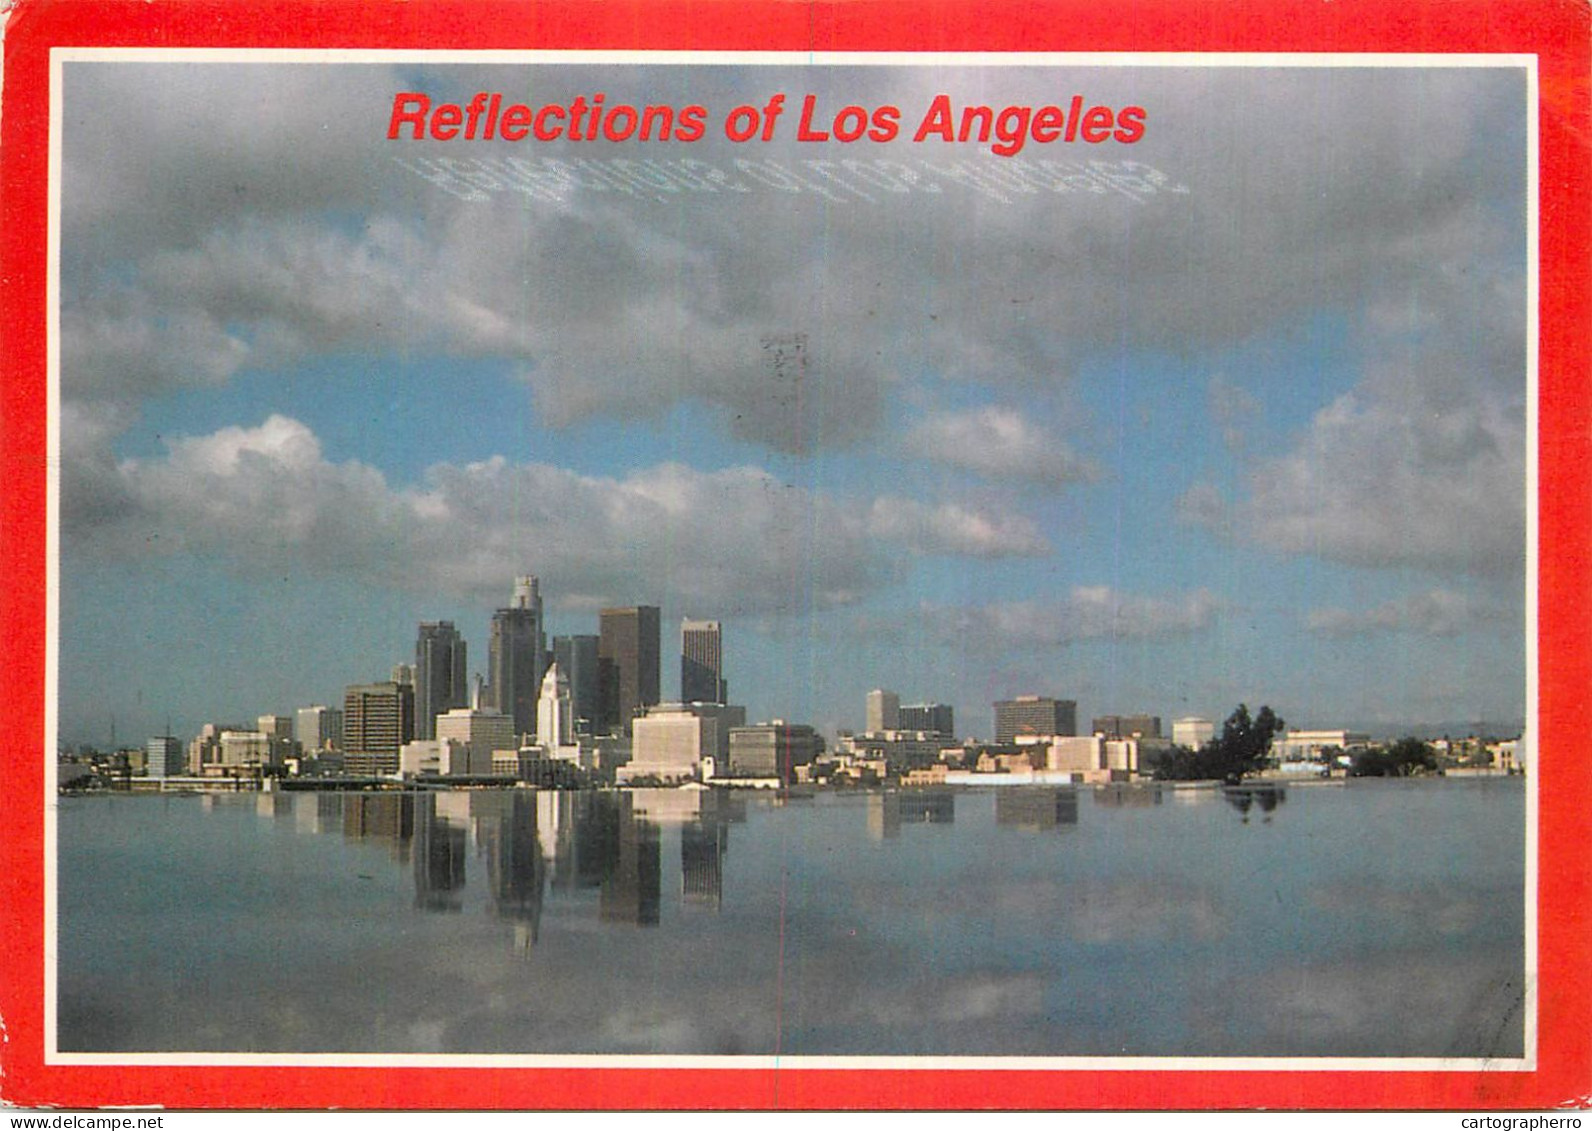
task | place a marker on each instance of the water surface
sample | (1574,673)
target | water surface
(1368,919)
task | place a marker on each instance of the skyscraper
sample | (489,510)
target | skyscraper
(702,662)
(628,650)
(378,718)
(884,711)
(442,680)
(518,655)
(935,718)
(576,657)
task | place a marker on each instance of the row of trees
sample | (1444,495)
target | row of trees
(1245,744)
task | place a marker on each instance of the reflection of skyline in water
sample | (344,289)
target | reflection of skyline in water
(529,842)
(889,810)
(1036,808)
(1004,921)
(577,844)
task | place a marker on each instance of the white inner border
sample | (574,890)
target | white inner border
(62,55)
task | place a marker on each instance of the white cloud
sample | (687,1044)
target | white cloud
(266,497)
(254,216)
(950,528)
(1422,465)
(1087,612)
(1437,612)
(997,442)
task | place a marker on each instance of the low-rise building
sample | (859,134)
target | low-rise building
(772,750)
(669,742)
(902,750)
(479,733)
(1192,731)
(1126,726)
(1309,745)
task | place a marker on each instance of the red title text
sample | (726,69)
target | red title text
(494,116)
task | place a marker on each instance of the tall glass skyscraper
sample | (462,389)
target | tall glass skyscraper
(576,657)
(628,646)
(442,678)
(702,662)
(518,656)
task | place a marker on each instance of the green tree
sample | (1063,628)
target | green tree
(1242,748)
(1405,758)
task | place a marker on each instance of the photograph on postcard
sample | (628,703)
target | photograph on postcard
(980,558)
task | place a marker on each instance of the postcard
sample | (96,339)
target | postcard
(640,557)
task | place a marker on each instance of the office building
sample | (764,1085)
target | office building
(518,656)
(702,662)
(772,750)
(378,718)
(1034,714)
(927,718)
(670,742)
(204,752)
(442,678)
(247,749)
(1310,745)
(628,647)
(1080,753)
(554,714)
(1126,726)
(165,757)
(277,726)
(884,711)
(576,657)
(318,728)
(1192,731)
(480,733)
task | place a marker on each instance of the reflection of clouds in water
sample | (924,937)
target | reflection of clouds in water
(937,951)
(1141,909)
(981,997)
(1459,1007)
(1093,911)
(1445,912)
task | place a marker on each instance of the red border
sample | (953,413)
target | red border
(1557,31)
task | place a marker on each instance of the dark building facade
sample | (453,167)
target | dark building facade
(628,652)
(517,659)
(1034,714)
(442,675)
(576,657)
(1126,726)
(935,718)
(772,750)
(702,662)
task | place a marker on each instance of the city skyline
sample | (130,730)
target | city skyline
(1152,452)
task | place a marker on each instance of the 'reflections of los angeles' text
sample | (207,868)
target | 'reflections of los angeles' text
(494,116)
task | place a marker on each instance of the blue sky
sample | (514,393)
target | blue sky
(1253,429)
